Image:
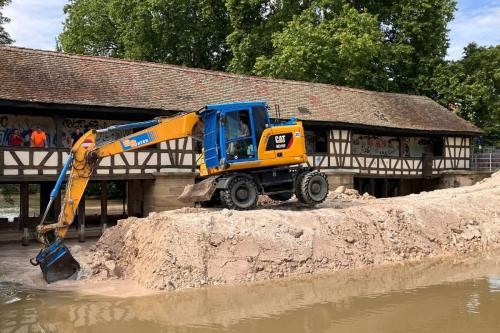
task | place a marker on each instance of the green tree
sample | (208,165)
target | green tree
(183,32)
(4,36)
(414,32)
(472,86)
(331,45)
(253,22)
(416,35)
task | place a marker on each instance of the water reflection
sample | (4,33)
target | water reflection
(429,297)
(494,283)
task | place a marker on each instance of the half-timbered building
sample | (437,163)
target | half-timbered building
(382,143)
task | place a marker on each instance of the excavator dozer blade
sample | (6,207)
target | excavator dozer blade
(199,192)
(56,262)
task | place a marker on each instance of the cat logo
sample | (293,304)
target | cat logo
(279,139)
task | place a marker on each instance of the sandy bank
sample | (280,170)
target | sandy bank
(196,247)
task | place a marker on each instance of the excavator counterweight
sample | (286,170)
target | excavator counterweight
(244,155)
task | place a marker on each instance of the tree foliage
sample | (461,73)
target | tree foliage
(253,23)
(414,36)
(341,46)
(4,36)
(190,33)
(472,86)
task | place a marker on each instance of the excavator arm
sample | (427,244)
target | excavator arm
(81,163)
(85,155)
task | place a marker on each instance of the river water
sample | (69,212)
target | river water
(434,296)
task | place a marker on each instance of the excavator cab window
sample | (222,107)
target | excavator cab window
(238,136)
(260,120)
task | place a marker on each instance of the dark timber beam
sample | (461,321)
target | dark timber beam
(81,220)
(104,205)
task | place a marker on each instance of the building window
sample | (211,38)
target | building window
(316,141)
(438,146)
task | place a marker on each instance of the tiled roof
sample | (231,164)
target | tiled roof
(51,77)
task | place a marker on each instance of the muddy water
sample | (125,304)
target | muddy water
(434,296)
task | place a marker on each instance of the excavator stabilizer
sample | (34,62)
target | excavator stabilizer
(56,262)
(199,192)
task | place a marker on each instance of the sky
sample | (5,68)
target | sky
(37,23)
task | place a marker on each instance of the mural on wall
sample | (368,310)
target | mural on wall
(415,147)
(25,124)
(390,146)
(375,145)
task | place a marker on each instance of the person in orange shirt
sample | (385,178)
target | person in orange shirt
(39,139)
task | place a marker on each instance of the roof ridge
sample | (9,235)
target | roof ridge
(197,70)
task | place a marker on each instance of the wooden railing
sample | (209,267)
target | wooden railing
(20,163)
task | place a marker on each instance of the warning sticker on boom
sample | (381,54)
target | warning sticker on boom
(279,141)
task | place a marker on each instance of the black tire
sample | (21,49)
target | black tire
(298,187)
(314,187)
(241,194)
(285,196)
(214,201)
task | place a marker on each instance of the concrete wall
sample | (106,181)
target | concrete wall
(461,178)
(161,193)
(338,178)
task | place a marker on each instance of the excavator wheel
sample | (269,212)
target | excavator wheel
(281,196)
(240,194)
(314,187)
(298,187)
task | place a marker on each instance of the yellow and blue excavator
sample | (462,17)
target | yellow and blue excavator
(243,156)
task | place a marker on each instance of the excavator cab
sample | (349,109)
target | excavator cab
(233,132)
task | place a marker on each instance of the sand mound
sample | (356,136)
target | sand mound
(194,247)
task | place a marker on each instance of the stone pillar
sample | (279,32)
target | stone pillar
(161,194)
(339,177)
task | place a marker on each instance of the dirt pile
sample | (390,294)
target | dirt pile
(194,247)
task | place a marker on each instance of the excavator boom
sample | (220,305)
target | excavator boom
(55,260)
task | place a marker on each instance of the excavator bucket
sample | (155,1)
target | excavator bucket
(199,192)
(56,262)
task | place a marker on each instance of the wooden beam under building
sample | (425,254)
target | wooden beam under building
(104,205)
(81,220)
(24,211)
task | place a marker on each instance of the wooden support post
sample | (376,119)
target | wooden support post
(81,220)
(57,206)
(104,205)
(372,186)
(386,188)
(134,198)
(24,212)
(58,138)
(45,189)
(124,200)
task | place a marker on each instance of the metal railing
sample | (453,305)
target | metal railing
(486,160)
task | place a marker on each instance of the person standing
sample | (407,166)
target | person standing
(75,136)
(39,139)
(15,139)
